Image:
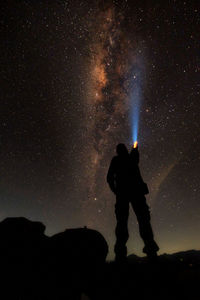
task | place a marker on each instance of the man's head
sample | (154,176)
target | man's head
(121,150)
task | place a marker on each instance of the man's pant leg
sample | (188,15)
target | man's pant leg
(121,231)
(142,212)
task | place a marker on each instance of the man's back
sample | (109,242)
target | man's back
(124,176)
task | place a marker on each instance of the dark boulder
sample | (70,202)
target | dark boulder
(79,245)
(76,259)
(22,252)
(21,237)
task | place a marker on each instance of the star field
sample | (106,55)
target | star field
(69,73)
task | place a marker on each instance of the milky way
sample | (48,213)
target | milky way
(114,84)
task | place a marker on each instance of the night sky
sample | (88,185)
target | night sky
(75,75)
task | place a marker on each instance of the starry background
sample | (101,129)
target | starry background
(72,75)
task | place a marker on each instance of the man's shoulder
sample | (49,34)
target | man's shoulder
(114,162)
(114,159)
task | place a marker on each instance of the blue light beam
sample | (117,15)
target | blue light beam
(135,102)
(135,113)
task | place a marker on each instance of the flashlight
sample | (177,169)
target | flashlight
(135,144)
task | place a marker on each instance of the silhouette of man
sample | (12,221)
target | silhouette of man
(126,183)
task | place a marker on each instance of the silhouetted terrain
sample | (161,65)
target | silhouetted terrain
(173,276)
(70,263)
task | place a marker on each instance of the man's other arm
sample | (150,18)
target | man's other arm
(111,176)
